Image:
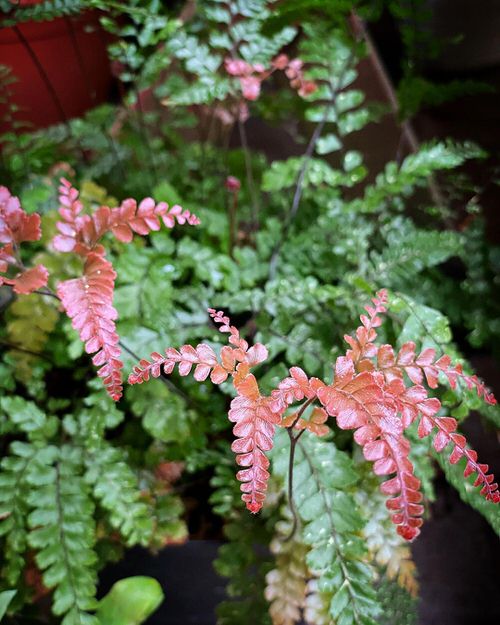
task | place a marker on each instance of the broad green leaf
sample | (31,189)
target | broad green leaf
(130,601)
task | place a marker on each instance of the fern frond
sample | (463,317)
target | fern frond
(63,532)
(254,431)
(88,301)
(253,414)
(204,357)
(388,550)
(16,227)
(332,523)
(287,582)
(30,322)
(116,487)
(14,490)
(359,402)
(81,233)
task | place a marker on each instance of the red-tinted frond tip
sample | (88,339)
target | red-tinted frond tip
(426,367)
(81,233)
(88,301)
(445,433)
(202,358)
(28,281)
(359,402)
(254,430)
(294,388)
(16,226)
(362,345)
(242,353)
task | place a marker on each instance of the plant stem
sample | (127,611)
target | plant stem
(299,186)
(249,173)
(291,458)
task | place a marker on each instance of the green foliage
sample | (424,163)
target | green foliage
(63,531)
(398,606)
(42,11)
(332,523)
(5,598)
(314,237)
(130,601)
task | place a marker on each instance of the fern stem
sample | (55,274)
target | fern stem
(299,185)
(291,458)
(249,173)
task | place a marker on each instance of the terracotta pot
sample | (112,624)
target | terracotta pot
(61,66)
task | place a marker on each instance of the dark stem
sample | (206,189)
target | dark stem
(297,196)
(79,57)
(18,348)
(291,459)
(42,72)
(249,173)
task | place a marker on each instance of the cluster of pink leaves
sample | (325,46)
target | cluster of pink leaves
(375,392)
(87,300)
(251,76)
(17,227)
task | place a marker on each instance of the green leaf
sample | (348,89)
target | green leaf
(5,598)
(327,144)
(130,601)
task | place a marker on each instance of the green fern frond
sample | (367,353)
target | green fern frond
(332,527)
(63,532)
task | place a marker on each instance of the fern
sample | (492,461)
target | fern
(28,329)
(17,227)
(42,11)
(287,582)
(62,532)
(368,395)
(338,556)
(14,508)
(23,417)
(88,302)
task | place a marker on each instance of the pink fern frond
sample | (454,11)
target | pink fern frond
(81,233)
(16,226)
(252,356)
(363,344)
(414,403)
(88,302)
(294,388)
(254,429)
(358,401)
(27,281)
(202,357)
(424,366)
